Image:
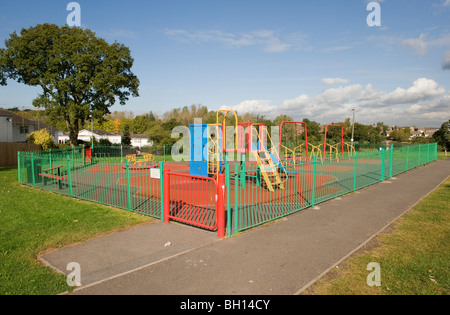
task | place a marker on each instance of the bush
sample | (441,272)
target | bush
(42,138)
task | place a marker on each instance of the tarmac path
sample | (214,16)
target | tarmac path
(280,258)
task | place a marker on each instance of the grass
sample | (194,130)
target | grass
(413,258)
(33,221)
(441,155)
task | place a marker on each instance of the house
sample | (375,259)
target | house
(16,128)
(422,132)
(6,126)
(137,140)
(86,136)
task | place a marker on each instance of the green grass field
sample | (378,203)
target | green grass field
(33,221)
(414,257)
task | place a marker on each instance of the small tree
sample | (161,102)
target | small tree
(126,138)
(42,138)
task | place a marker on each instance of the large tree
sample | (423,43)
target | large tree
(79,73)
(442,136)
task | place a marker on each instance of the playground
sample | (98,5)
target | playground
(237,177)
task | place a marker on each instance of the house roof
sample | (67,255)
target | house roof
(101,132)
(138,136)
(22,121)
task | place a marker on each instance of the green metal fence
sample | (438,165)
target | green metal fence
(101,179)
(108,178)
(310,183)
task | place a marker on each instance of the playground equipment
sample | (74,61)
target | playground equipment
(295,154)
(334,149)
(146,161)
(210,149)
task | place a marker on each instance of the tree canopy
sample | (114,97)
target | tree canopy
(79,73)
(442,136)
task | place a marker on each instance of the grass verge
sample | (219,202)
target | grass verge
(33,221)
(413,255)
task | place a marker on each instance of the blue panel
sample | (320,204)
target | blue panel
(199,141)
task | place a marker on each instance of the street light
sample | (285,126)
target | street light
(353,128)
(92,129)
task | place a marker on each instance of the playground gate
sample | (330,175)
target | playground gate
(195,200)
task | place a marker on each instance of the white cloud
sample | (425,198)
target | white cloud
(332,81)
(418,44)
(421,90)
(252,106)
(269,40)
(423,103)
(421,45)
(446,3)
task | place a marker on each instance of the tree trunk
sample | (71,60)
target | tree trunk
(73,131)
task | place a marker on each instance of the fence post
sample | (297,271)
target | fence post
(435,151)
(407,158)
(236,197)
(391,160)
(166,195)
(128,186)
(161,180)
(243,174)
(220,211)
(258,176)
(383,156)
(83,155)
(227,185)
(18,167)
(50,158)
(418,158)
(69,178)
(354,171)
(313,197)
(32,169)
(121,153)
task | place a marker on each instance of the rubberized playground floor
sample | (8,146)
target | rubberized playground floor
(281,258)
(145,187)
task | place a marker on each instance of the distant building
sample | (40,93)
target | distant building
(137,140)
(16,128)
(422,132)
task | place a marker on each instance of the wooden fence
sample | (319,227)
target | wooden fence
(8,152)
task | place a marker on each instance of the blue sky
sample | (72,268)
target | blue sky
(307,59)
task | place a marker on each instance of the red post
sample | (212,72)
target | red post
(220,211)
(166,195)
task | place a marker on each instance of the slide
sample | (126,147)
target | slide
(276,161)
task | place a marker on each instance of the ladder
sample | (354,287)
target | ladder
(268,169)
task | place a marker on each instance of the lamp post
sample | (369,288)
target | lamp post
(92,129)
(353,129)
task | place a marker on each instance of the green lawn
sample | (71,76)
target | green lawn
(413,259)
(441,155)
(34,221)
